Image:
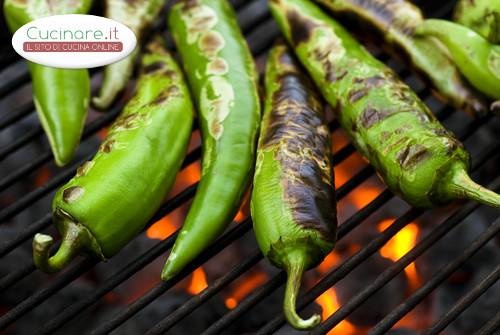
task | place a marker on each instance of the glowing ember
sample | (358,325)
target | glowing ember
(399,245)
(331,260)
(191,174)
(161,229)
(329,305)
(247,285)
(198,281)
(362,196)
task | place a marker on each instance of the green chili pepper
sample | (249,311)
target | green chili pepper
(387,122)
(138,15)
(396,20)
(477,59)
(112,197)
(293,200)
(223,79)
(482,16)
(61,96)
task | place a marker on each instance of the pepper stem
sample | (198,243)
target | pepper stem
(295,266)
(461,186)
(75,237)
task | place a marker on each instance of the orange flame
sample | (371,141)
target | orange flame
(191,174)
(399,245)
(198,281)
(246,287)
(331,260)
(362,196)
(329,305)
(161,229)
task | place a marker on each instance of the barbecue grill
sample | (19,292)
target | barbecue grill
(34,302)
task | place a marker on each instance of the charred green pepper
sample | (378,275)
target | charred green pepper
(293,199)
(476,57)
(61,96)
(138,15)
(387,122)
(112,197)
(482,16)
(397,20)
(223,79)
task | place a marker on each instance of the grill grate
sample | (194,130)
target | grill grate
(260,32)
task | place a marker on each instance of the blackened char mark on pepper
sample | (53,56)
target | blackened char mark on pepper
(301,31)
(371,116)
(298,130)
(301,27)
(357,94)
(153,67)
(388,13)
(411,155)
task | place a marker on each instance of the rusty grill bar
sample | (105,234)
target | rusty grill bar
(260,32)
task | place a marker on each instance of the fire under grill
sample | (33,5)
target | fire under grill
(395,270)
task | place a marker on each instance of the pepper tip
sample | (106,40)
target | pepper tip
(167,273)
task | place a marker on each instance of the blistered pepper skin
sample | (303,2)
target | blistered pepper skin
(482,16)
(138,15)
(223,79)
(293,199)
(411,151)
(397,20)
(476,57)
(61,96)
(113,196)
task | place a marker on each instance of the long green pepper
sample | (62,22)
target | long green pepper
(482,16)
(61,96)
(397,20)
(476,57)
(223,79)
(138,15)
(293,200)
(113,196)
(387,122)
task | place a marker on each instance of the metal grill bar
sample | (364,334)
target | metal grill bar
(492,326)
(27,233)
(13,84)
(235,233)
(47,155)
(14,276)
(20,142)
(16,115)
(259,39)
(193,303)
(59,283)
(465,302)
(390,320)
